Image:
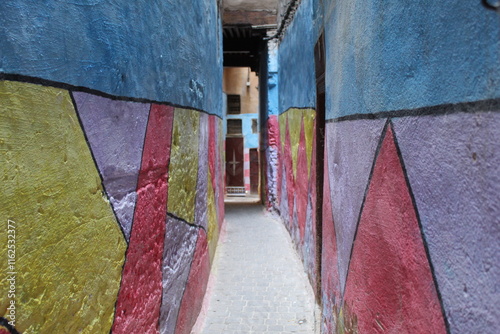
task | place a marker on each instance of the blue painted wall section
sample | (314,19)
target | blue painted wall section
(296,62)
(272,83)
(141,49)
(403,56)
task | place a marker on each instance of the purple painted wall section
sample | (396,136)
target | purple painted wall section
(180,243)
(452,163)
(350,149)
(115,131)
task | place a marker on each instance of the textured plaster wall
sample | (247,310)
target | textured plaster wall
(291,172)
(405,57)
(142,49)
(296,62)
(74,232)
(410,210)
(114,189)
(296,183)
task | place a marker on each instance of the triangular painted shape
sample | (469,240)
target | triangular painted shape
(351,147)
(452,165)
(390,286)
(196,286)
(115,131)
(330,285)
(288,175)
(301,192)
(142,271)
(204,150)
(180,243)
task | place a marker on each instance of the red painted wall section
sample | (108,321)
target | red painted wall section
(196,286)
(290,182)
(390,286)
(3,329)
(330,285)
(139,298)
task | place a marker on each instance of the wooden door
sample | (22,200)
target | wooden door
(234,162)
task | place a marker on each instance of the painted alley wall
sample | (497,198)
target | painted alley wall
(293,131)
(410,229)
(111,146)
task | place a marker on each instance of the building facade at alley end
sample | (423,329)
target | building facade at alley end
(379,145)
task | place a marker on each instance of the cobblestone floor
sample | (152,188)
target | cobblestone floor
(258,284)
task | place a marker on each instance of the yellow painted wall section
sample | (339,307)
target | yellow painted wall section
(282,122)
(309,116)
(213,226)
(69,247)
(183,170)
(295,119)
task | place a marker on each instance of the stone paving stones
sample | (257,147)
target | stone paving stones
(259,283)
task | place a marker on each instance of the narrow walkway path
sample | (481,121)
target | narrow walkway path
(259,285)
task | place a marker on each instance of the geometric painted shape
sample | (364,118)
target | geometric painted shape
(282,120)
(301,192)
(452,162)
(311,251)
(219,174)
(204,150)
(178,252)
(309,121)
(350,150)
(115,131)
(213,226)
(298,118)
(69,246)
(195,287)
(330,285)
(390,286)
(288,174)
(139,300)
(184,164)
(283,200)
(294,117)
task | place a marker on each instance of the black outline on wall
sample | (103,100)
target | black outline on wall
(61,85)
(5,323)
(388,124)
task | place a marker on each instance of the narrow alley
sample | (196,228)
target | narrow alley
(367,131)
(259,285)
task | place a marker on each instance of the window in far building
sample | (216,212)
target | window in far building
(234,127)
(233,104)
